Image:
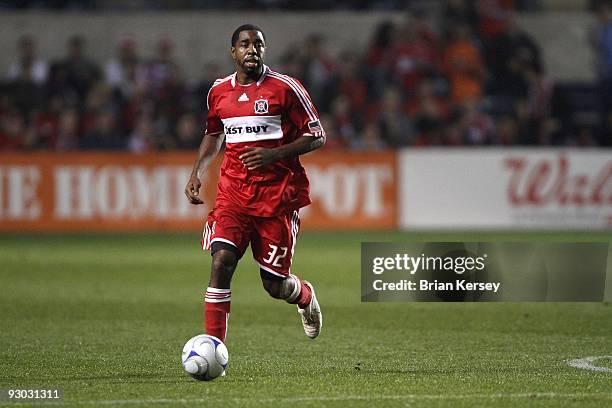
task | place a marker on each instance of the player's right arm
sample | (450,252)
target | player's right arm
(210,146)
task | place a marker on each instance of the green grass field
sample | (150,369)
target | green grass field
(104,317)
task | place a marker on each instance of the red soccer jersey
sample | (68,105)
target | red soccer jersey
(271,112)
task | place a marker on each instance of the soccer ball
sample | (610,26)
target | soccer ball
(205,357)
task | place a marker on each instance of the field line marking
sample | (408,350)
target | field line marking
(607,396)
(586,363)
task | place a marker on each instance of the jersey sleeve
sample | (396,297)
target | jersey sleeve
(214,125)
(302,112)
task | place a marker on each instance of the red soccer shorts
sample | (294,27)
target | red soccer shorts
(272,239)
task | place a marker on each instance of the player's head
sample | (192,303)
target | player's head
(248,48)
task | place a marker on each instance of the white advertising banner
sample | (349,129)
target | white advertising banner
(506,189)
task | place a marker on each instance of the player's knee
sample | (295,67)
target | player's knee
(273,287)
(224,262)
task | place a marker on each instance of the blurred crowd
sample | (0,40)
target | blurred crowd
(73,103)
(238,4)
(472,78)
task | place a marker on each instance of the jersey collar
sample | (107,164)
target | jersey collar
(264,73)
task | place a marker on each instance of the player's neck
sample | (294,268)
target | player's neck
(247,79)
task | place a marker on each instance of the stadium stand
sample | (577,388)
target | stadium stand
(451,73)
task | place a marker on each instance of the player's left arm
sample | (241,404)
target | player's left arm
(255,157)
(301,111)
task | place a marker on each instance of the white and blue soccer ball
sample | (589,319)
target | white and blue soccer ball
(205,357)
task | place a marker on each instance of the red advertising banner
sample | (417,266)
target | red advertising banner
(125,192)
(352,191)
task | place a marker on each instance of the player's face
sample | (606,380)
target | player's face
(249,51)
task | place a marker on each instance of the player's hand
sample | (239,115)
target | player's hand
(255,157)
(192,190)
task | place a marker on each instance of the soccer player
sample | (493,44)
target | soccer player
(267,120)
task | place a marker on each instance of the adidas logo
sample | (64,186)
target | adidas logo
(243,98)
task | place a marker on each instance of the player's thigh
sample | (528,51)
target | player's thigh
(273,242)
(227,229)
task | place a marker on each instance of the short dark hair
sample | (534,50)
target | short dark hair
(245,27)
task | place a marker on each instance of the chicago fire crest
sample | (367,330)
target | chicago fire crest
(261,106)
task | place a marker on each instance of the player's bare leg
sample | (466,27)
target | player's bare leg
(218,295)
(224,264)
(296,291)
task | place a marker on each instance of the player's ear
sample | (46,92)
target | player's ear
(233,53)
